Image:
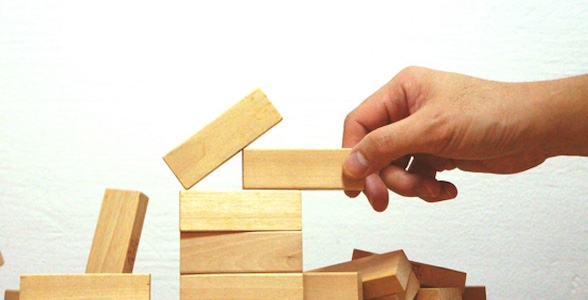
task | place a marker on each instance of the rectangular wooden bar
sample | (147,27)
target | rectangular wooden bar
(439,294)
(333,285)
(410,293)
(11,295)
(240,211)
(1,259)
(85,286)
(294,169)
(474,293)
(241,252)
(221,139)
(118,232)
(242,286)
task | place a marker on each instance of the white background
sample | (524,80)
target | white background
(93,94)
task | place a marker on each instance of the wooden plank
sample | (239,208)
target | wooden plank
(241,252)
(242,286)
(439,294)
(118,232)
(474,293)
(221,139)
(333,285)
(85,286)
(412,289)
(240,211)
(11,295)
(382,275)
(294,169)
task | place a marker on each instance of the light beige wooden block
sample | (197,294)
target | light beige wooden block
(222,138)
(439,294)
(382,275)
(240,211)
(333,285)
(242,286)
(85,286)
(11,295)
(296,169)
(241,252)
(118,232)
(474,293)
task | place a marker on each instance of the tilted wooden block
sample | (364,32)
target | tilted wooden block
(118,232)
(295,169)
(241,252)
(333,285)
(242,286)
(439,294)
(240,211)
(11,295)
(85,286)
(222,138)
(382,275)
(412,288)
(474,293)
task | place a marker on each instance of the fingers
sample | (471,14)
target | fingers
(419,181)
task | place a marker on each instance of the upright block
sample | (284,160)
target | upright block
(85,286)
(240,211)
(1,260)
(296,169)
(222,138)
(333,285)
(382,275)
(439,294)
(118,232)
(242,286)
(241,252)
(11,295)
(474,293)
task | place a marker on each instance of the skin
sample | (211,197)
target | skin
(425,121)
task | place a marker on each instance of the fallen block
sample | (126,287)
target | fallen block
(220,140)
(118,232)
(412,289)
(474,293)
(296,169)
(240,211)
(85,286)
(11,295)
(333,285)
(439,294)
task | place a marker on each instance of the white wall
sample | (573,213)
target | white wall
(93,94)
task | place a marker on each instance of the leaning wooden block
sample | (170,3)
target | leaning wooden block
(241,252)
(85,286)
(11,295)
(382,275)
(474,293)
(439,294)
(333,285)
(118,232)
(242,286)
(222,138)
(295,169)
(412,288)
(240,211)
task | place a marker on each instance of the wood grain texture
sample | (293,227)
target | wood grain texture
(11,295)
(412,288)
(384,274)
(333,285)
(242,286)
(241,252)
(221,139)
(240,211)
(85,286)
(474,293)
(439,294)
(118,232)
(293,169)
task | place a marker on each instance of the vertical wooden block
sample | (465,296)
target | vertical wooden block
(1,259)
(118,232)
(241,252)
(240,211)
(295,169)
(439,294)
(11,295)
(85,286)
(222,138)
(333,285)
(474,293)
(242,286)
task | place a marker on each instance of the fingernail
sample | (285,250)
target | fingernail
(355,165)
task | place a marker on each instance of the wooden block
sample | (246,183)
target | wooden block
(222,138)
(295,169)
(412,289)
(242,286)
(11,295)
(85,286)
(439,294)
(333,285)
(382,275)
(241,252)
(474,293)
(240,211)
(1,260)
(118,232)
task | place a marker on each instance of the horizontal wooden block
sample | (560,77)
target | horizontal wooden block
(11,295)
(296,169)
(240,211)
(333,285)
(85,286)
(242,286)
(241,252)
(474,293)
(221,139)
(382,275)
(439,294)
(118,232)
